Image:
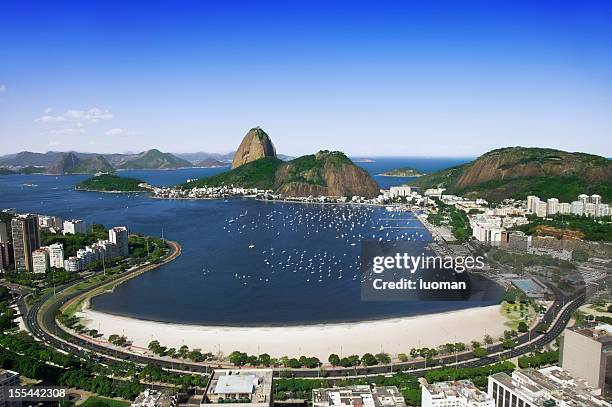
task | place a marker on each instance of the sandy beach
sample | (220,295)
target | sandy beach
(393,336)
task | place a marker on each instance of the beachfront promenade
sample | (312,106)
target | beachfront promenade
(41,322)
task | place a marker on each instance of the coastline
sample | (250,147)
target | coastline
(395,335)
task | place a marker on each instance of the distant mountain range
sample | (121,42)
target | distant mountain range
(516,172)
(71,162)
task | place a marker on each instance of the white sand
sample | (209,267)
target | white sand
(391,335)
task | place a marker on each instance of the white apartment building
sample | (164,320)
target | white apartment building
(40,260)
(87,257)
(532,203)
(460,393)
(8,378)
(119,236)
(531,388)
(584,198)
(487,229)
(72,264)
(74,226)
(541,208)
(577,208)
(596,199)
(56,255)
(590,210)
(400,191)
(565,208)
(552,206)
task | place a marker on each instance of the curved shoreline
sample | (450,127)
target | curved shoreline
(394,335)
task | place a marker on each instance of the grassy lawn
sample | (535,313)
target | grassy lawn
(515,314)
(95,401)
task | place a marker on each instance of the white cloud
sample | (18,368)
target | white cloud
(68,131)
(48,110)
(79,117)
(2,87)
(119,132)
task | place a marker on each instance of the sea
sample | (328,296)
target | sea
(244,262)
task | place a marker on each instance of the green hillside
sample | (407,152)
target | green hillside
(154,159)
(260,173)
(111,183)
(517,172)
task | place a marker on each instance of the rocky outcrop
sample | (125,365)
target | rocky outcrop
(70,163)
(255,145)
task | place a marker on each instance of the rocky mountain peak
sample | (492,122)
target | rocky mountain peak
(255,145)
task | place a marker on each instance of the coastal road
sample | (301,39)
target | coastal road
(44,326)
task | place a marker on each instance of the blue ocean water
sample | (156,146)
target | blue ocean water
(244,262)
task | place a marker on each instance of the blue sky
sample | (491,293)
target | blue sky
(419,78)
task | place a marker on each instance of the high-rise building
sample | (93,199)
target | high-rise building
(590,210)
(119,236)
(26,239)
(541,209)
(532,203)
(551,386)
(565,208)
(8,378)
(552,206)
(3,233)
(577,208)
(584,198)
(586,353)
(74,226)
(460,393)
(603,210)
(596,199)
(72,264)
(6,256)
(40,260)
(56,255)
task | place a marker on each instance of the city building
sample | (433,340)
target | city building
(434,192)
(244,387)
(532,203)
(586,353)
(73,264)
(400,191)
(487,229)
(87,257)
(359,395)
(8,378)
(3,233)
(565,208)
(577,208)
(596,199)
(551,386)
(26,239)
(460,393)
(40,260)
(154,398)
(540,209)
(584,198)
(6,256)
(552,206)
(119,236)
(590,210)
(56,255)
(48,222)
(74,226)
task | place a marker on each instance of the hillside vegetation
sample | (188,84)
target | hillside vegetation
(516,172)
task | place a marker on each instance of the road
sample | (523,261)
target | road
(44,327)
